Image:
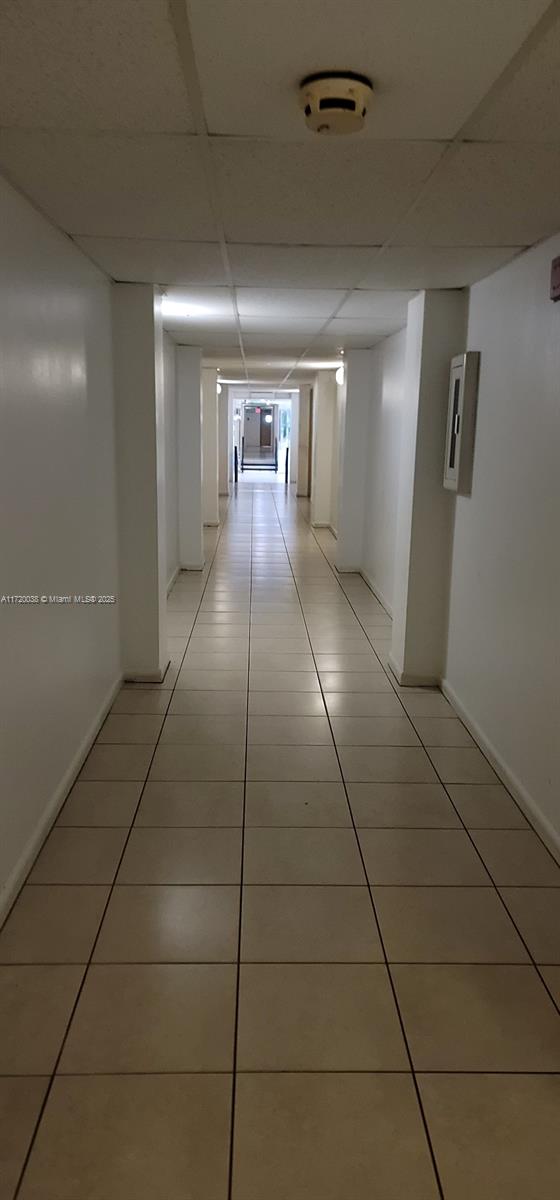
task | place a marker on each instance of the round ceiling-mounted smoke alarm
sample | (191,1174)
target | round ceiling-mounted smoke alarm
(335,101)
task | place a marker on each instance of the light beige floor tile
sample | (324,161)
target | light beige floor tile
(289,731)
(293,804)
(198,762)
(478,1018)
(136,1137)
(318,1017)
(216,661)
(286,704)
(283,681)
(421,702)
(409,805)
(363,704)
(200,803)
(117,762)
(101,803)
(536,912)
(516,857)
(327,856)
(494,1135)
(486,805)
(20,1103)
(440,731)
(421,857)
(141,701)
(182,856)
(456,765)
(298,763)
(324,1137)
(451,924)
(355,681)
(294,645)
(211,681)
(35,1007)
(204,730)
(199,703)
(79,856)
(386,764)
(552,978)
(365,661)
(268,660)
(152,1017)
(170,924)
(53,924)
(127,729)
(374,731)
(309,924)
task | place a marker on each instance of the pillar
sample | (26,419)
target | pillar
(324,409)
(436,331)
(302,432)
(353,454)
(225,440)
(189,454)
(210,503)
(140,442)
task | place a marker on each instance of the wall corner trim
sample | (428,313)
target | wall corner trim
(405,679)
(526,802)
(15,881)
(376,591)
(172,579)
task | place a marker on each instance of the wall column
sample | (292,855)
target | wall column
(301,431)
(225,439)
(353,455)
(323,423)
(189,447)
(210,456)
(140,440)
(436,331)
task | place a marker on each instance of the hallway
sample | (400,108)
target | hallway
(372,1006)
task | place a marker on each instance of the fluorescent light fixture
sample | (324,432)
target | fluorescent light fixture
(219,389)
(268,419)
(340,374)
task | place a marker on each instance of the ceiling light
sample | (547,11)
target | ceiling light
(340,374)
(219,388)
(335,101)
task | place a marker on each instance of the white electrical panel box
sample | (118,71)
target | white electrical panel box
(461,417)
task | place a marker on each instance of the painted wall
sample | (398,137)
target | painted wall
(383,466)
(170,421)
(337,451)
(60,662)
(504,618)
(324,409)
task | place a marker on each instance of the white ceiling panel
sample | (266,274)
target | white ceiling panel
(286,303)
(137,260)
(224,338)
(372,306)
(112,186)
(430,62)
(435,266)
(287,329)
(319,193)
(106,64)
(354,332)
(299,266)
(201,304)
(489,195)
(528,109)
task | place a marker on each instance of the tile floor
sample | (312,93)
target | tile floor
(290,938)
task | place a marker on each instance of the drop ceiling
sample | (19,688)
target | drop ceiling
(166,140)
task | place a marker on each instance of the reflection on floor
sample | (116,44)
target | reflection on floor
(281,943)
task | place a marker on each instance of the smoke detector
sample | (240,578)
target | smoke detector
(335,101)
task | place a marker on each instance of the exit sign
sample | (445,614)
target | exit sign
(555,279)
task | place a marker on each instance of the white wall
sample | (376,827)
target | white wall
(60,663)
(384,452)
(171,493)
(337,450)
(503,656)
(324,408)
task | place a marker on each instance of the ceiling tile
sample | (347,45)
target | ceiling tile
(287,303)
(137,260)
(320,193)
(373,306)
(357,333)
(284,328)
(112,64)
(110,185)
(417,267)
(299,266)
(430,64)
(489,194)
(528,108)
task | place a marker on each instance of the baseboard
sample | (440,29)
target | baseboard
(333,531)
(172,579)
(320,525)
(16,879)
(211,524)
(377,592)
(547,831)
(407,679)
(196,566)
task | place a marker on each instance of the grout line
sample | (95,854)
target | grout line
(423,1117)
